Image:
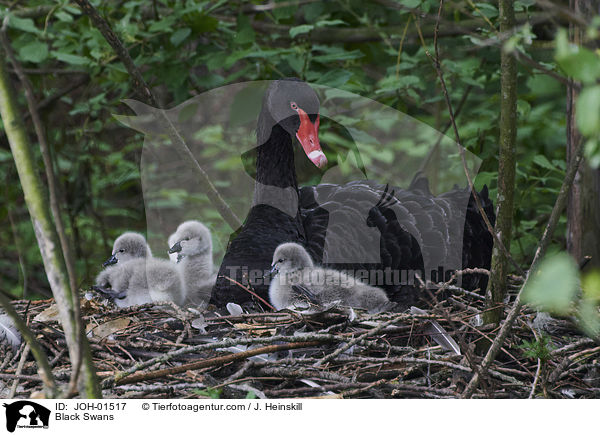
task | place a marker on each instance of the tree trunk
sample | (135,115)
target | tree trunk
(506,168)
(583,210)
(45,232)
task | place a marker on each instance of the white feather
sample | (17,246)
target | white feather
(234,309)
(8,332)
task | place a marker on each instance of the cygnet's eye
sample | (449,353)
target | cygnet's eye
(281,260)
(121,250)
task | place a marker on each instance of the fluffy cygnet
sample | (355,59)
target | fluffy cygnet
(297,281)
(193,246)
(134,277)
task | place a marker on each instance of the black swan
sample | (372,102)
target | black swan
(410,227)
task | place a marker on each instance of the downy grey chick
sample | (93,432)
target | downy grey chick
(135,277)
(298,280)
(193,246)
(128,246)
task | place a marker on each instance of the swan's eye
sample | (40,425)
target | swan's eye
(293,105)
(121,250)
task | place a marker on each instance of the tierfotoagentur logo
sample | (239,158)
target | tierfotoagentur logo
(25,414)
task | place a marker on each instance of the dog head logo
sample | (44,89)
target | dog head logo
(26,414)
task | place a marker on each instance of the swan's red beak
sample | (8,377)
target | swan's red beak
(308,135)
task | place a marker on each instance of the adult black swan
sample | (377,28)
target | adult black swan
(374,231)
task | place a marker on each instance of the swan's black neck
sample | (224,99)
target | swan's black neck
(275,160)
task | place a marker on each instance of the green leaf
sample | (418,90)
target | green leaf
(411,4)
(162,25)
(64,17)
(542,161)
(24,24)
(35,52)
(335,78)
(245,32)
(325,23)
(578,62)
(72,59)
(179,36)
(553,285)
(201,23)
(590,285)
(341,55)
(587,112)
(587,313)
(298,30)
(592,153)
(490,11)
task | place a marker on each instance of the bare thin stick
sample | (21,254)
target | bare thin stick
(24,355)
(249,291)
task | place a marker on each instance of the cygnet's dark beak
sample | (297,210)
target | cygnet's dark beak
(271,272)
(175,248)
(112,260)
(109,293)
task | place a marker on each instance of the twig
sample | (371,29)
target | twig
(249,291)
(225,343)
(212,362)
(535,378)
(352,342)
(24,355)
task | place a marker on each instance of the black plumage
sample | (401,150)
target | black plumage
(361,226)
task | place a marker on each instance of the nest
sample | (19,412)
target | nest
(162,351)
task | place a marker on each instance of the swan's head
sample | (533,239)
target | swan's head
(290,256)
(294,106)
(128,246)
(191,238)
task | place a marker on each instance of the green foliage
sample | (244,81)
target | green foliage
(583,65)
(540,348)
(553,286)
(589,303)
(211,393)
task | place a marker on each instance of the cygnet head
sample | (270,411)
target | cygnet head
(290,256)
(128,246)
(191,238)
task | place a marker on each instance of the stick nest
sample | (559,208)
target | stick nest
(162,351)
